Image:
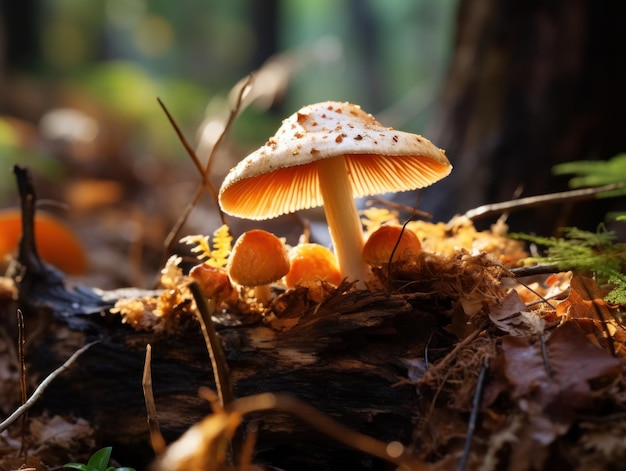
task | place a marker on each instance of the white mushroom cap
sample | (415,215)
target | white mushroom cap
(281,177)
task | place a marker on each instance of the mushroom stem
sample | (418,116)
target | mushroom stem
(263,294)
(342,218)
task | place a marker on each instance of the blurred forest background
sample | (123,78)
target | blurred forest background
(507,88)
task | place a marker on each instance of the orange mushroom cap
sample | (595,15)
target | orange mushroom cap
(56,244)
(310,263)
(214,283)
(390,239)
(258,258)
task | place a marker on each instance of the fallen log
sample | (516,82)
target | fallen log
(345,356)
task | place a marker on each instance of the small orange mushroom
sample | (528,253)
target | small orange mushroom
(56,244)
(214,282)
(390,240)
(311,263)
(258,258)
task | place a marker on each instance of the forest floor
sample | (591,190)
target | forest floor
(506,369)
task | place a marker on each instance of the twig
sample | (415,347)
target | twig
(42,387)
(156,439)
(393,452)
(543,269)
(401,207)
(544,356)
(214,346)
(190,151)
(204,172)
(471,427)
(21,342)
(414,212)
(28,254)
(540,200)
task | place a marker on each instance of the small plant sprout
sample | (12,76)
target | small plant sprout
(326,154)
(99,461)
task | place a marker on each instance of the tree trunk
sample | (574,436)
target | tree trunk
(530,85)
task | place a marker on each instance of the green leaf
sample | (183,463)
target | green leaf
(80,466)
(100,459)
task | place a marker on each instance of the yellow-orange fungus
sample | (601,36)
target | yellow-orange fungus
(56,243)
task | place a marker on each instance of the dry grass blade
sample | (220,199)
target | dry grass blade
(156,439)
(218,359)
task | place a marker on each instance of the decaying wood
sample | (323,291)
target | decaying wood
(342,358)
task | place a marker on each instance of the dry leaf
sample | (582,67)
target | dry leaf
(551,393)
(511,315)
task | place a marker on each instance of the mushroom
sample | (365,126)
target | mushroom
(310,263)
(327,154)
(390,240)
(258,258)
(214,282)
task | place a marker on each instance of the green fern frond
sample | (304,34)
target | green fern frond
(584,251)
(618,294)
(595,173)
(580,250)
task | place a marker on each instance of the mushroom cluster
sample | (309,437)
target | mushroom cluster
(326,154)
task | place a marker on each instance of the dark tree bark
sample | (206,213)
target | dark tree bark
(530,85)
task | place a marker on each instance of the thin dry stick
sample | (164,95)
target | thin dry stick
(540,200)
(190,151)
(393,452)
(156,439)
(471,427)
(395,247)
(401,207)
(204,172)
(21,342)
(42,387)
(214,346)
(544,356)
